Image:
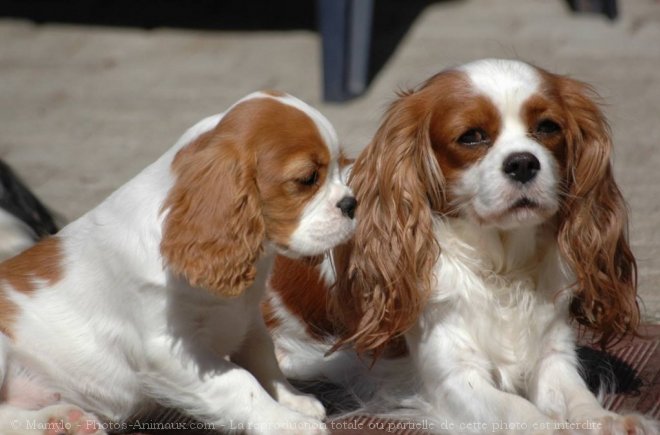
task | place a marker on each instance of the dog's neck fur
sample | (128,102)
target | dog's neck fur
(508,254)
(491,280)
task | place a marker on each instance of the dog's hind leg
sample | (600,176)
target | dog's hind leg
(27,408)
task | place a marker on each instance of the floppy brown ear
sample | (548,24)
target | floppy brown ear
(594,222)
(381,289)
(213,229)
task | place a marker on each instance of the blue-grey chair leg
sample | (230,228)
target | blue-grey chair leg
(345,27)
(333,16)
(359,46)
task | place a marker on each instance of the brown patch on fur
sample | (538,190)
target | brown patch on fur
(343,160)
(8,311)
(236,186)
(593,230)
(274,93)
(304,294)
(42,261)
(269,314)
(453,115)
(302,290)
(539,108)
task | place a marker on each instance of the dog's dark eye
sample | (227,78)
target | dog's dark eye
(474,137)
(309,180)
(547,126)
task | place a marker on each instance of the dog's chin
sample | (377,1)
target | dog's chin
(521,213)
(317,244)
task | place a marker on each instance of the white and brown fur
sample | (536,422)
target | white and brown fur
(481,266)
(153,296)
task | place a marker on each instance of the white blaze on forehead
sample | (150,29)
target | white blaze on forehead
(508,83)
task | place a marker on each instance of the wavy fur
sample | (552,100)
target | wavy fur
(593,230)
(214,228)
(398,183)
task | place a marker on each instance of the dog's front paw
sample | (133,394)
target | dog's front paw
(308,426)
(289,422)
(631,424)
(615,424)
(68,420)
(305,404)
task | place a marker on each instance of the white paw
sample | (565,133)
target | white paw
(303,403)
(615,424)
(289,422)
(631,424)
(303,426)
(68,420)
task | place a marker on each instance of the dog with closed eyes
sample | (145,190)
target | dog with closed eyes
(489,223)
(153,296)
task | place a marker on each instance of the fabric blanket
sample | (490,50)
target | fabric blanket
(631,367)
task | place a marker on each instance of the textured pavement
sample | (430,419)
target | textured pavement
(83,109)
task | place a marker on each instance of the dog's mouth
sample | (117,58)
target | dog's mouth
(524,203)
(512,209)
(523,210)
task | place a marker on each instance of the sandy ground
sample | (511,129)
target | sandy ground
(82,109)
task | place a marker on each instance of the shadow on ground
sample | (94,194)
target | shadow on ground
(391,20)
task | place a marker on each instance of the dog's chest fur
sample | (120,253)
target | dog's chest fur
(501,293)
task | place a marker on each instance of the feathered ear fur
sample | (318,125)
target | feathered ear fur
(592,234)
(398,183)
(213,230)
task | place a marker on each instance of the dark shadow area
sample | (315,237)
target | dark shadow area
(607,7)
(601,370)
(335,398)
(391,21)
(149,14)
(17,200)
(391,18)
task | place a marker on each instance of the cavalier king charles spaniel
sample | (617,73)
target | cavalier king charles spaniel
(489,223)
(153,296)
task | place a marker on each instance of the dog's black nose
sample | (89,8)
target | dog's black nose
(521,167)
(347,206)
